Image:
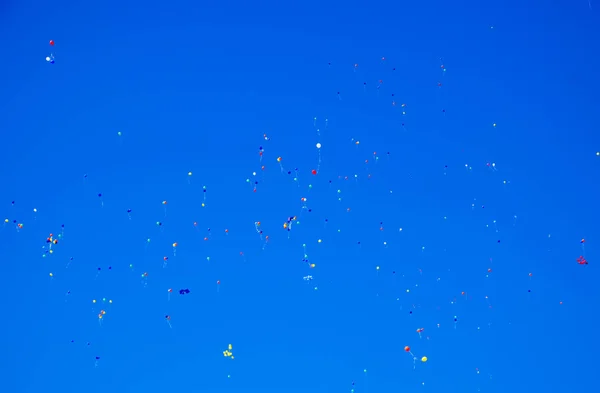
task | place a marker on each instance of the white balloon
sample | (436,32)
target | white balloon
(318,145)
(47,58)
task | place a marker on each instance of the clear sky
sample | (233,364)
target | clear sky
(456,177)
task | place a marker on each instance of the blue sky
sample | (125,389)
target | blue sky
(487,161)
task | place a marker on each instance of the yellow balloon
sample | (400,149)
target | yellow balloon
(424,359)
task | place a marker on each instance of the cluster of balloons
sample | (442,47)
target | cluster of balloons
(407,349)
(50,58)
(227,353)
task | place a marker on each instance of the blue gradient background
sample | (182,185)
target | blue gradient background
(193,87)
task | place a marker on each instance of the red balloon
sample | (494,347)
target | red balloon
(52,42)
(314,171)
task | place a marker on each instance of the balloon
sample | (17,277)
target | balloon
(424,359)
(51,42)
